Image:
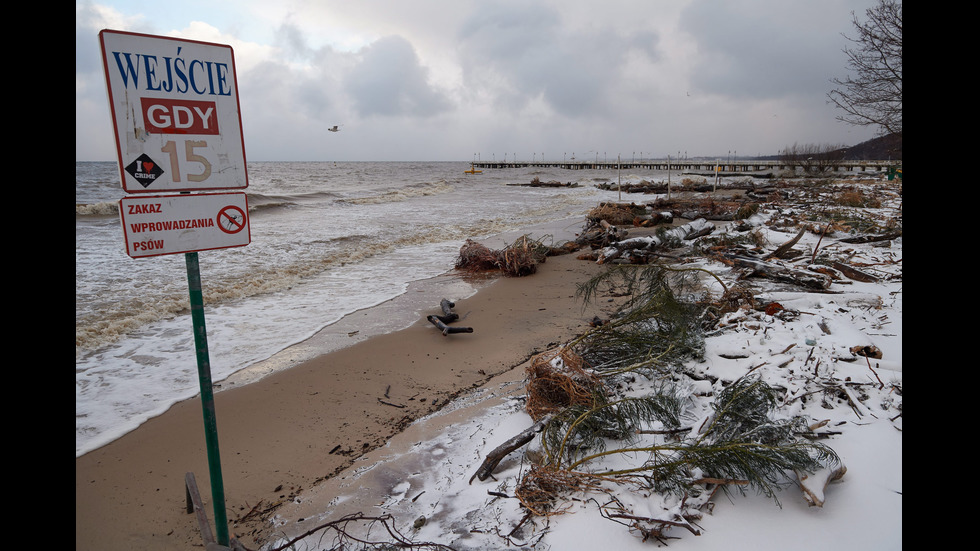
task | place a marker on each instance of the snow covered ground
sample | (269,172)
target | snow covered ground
(424,477)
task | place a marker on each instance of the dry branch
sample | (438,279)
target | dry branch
(500,452)
(785,247)
(776,272)
(344,536)
(854,273)
(813,485)
(872,238)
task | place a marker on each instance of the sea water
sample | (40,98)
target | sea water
(327,240)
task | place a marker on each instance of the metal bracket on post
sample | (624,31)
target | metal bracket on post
(196,506)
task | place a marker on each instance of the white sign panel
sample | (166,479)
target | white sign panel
(175,113)
(170,224)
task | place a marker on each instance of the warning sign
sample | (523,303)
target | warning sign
(175,113)
(231,219)
(171,224)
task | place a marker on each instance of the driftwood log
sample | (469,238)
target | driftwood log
(785,247)
(535,182)
(448,316)
(872,238)
(447,311)
(500,452)
(653,219)
(853,273)
(446,330)
(776,272)
(640,246)
(600,234)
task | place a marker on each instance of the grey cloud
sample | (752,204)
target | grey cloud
(389,80)
(519,56)
(292,42)
(768,49)
(87,54)
(302,81)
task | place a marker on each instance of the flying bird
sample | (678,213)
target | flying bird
(334,128)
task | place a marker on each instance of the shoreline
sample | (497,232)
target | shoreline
(294,428)
(392,315)
(399,312)
(304,443)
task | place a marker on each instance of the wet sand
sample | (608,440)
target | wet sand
(294,429)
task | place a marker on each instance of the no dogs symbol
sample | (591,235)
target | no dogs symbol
(231,219)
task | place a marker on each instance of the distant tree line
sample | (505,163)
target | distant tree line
(813,158)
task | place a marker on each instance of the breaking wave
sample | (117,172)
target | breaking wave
(107,208)
(404,194)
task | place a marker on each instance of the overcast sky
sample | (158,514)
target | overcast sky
(494,79)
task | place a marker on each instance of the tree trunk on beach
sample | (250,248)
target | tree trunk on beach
(448,316)
(446,330)
(500,452)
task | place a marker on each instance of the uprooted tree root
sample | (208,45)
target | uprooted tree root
(540,488)
(558,380)
(616,214)
(476,257)
(520,258)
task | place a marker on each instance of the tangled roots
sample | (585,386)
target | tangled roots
(556,381)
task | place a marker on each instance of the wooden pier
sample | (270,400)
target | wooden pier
(688,165)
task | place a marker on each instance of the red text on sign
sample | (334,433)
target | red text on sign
(179,116)
(148,245)
(145,209)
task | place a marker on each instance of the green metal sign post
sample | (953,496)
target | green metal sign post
(207,396)
(153,120)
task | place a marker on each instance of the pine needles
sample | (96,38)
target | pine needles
(653,329)
(739,444)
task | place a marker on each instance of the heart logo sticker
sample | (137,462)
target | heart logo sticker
(144,170)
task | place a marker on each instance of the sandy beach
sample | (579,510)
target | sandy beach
(288,432)
(302,444)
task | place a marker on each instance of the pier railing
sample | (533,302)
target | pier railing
(690,165)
